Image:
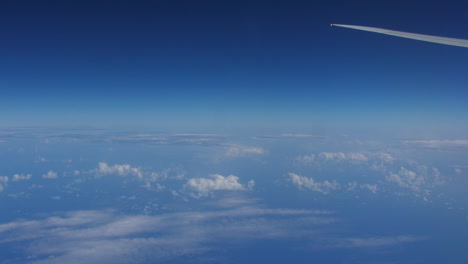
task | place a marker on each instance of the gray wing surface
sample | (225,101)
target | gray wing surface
(434,39)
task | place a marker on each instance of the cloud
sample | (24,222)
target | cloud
(460,143)
(170,139)
(417,181)
(107,236)
(21,177)
(242,151)
(306,159)
(343,156)
(303,182)
(120,170)
(371,187)
(371,242)
(291,136)
(50,175)
(217,182)
(407,179)
(3,182)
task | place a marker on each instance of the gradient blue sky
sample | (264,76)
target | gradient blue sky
(233,66)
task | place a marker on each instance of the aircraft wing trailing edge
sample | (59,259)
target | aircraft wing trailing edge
(434,39)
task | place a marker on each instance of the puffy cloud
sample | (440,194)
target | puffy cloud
(306,159)
(240,151)
(203,186)
(21,177)
(121,170)
(343,156)
(371,187)
(424,178)
(303,182)
(4,179)
(407,179)
(50,175)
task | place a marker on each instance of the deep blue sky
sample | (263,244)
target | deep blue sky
(232,65)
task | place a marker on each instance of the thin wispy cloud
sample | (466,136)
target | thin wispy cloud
(233,150)
(460,143)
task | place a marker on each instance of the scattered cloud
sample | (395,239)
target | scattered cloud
(242,151)
(343,156)
(354,185)
(50,175)
(21,177)
(303,182)
(306,159)
(216,182)
(371,187)
(418,181)
(120,170)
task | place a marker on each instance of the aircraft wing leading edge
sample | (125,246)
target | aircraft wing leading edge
(434,39)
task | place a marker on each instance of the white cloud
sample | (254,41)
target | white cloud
(354,156)
(241,151)
(120,170)
(306,159)
(21,177)
(203,186)
(111,237)
(369,242)
(371,187)
(407,179)
(4,179)
(437,143)
(303,182)
(50,175)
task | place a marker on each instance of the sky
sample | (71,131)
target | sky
(232,132)
(232,65)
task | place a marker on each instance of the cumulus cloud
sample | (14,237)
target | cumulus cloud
(241,151)
(418,181)
(217,182)
(354,185)
(407,179)
(371,187)
(21,177)
(303,182)
(50,175)
(120,170)
(306,159)
(354,156)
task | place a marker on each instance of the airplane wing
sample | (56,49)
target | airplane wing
(434,39)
